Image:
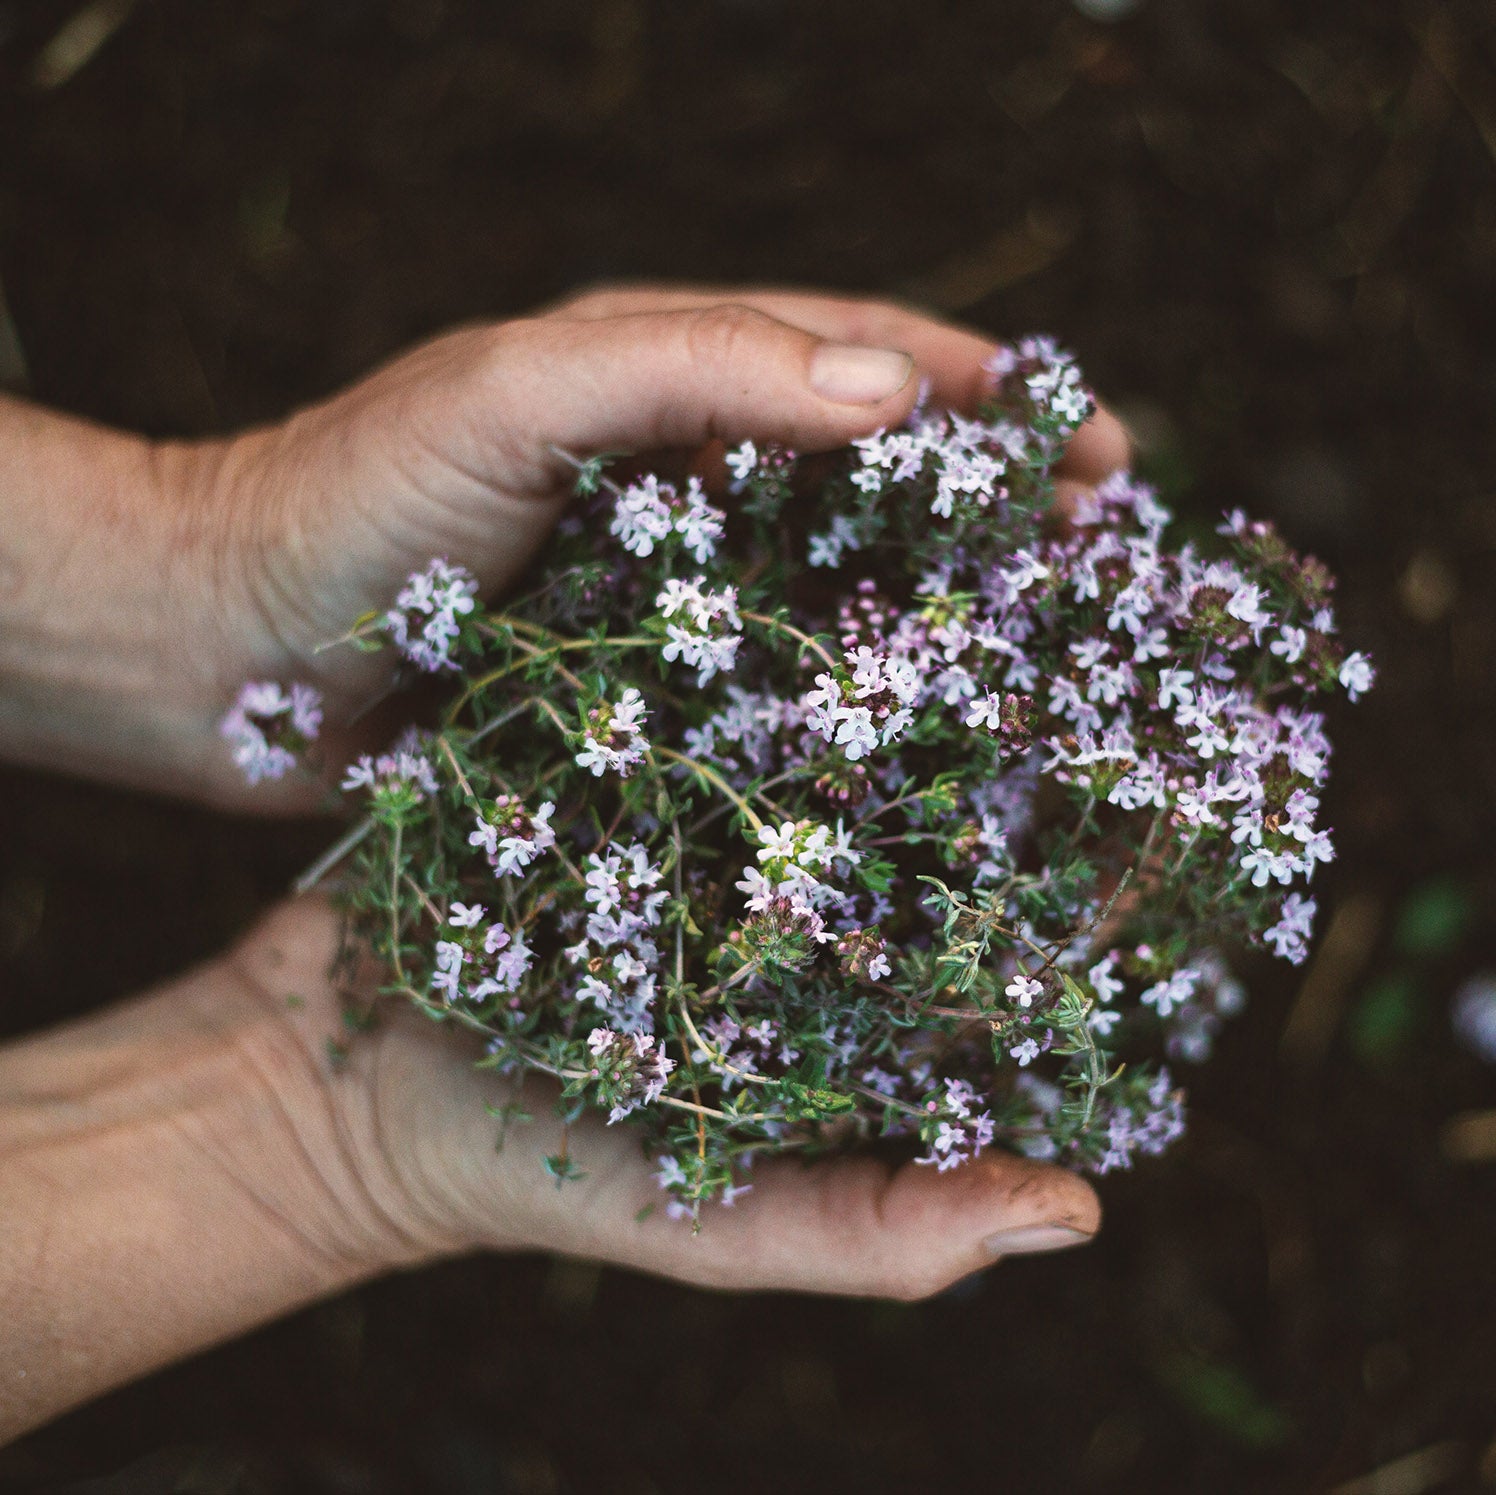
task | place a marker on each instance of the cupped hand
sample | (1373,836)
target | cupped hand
(401,1141)
(451,451)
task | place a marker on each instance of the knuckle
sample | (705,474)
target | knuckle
(717,336)
(910,1282)
(877,321)
(600,298)
(498,342)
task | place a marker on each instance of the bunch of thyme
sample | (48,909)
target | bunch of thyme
(870,797)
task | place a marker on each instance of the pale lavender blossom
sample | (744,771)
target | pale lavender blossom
(828,547)
(1174,991)
(1356,675)
(425,620)
(614,740)
(1474,1015)
(269,727)
(1025,1051)
(704,630)
(1104,980)
(1289,937)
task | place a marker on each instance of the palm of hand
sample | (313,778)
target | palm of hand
(415,1161)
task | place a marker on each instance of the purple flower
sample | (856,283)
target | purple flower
(424,622)
(269,727)
(1474,1015)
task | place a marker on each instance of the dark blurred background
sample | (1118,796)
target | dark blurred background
(1268,231)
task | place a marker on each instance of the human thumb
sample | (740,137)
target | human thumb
(679,378)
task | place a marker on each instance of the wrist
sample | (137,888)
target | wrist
(177,1170)
(319,1145)
(103,567)
(388,1115)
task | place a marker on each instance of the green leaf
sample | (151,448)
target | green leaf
(830,1102)
(562,1169)
(1223,1397)
(510,1111)
(1385,1022)
(1434,918)
(1074,988)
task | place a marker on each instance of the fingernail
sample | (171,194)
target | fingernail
(851,375)
(1027,1239)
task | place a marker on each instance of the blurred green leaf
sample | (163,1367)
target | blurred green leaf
(1434,918)
(1226,1400)
(1386,1019)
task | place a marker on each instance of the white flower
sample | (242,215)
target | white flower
(1104,980)
(1356,675)
(986,712)
(778,843)
(1290,644)
(1165,996)
(1174,685)
(742,460)
(1023,989)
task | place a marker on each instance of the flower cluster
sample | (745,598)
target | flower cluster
(402,775)
(629,1070)
(702,626)
(511,837)
(478,959)
(269,728)
(613,739)
(864,703)
(650,513)
(424,624)
(942,842)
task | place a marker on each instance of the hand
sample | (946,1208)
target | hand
(181,1167)
(449,451)
(414,1136)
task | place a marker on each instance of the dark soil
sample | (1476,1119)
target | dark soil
(1265,228)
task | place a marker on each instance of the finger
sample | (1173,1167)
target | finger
(953,358)
(679,378)
(1100,448)
(1067,495)
(850,1227)
(853,1228)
